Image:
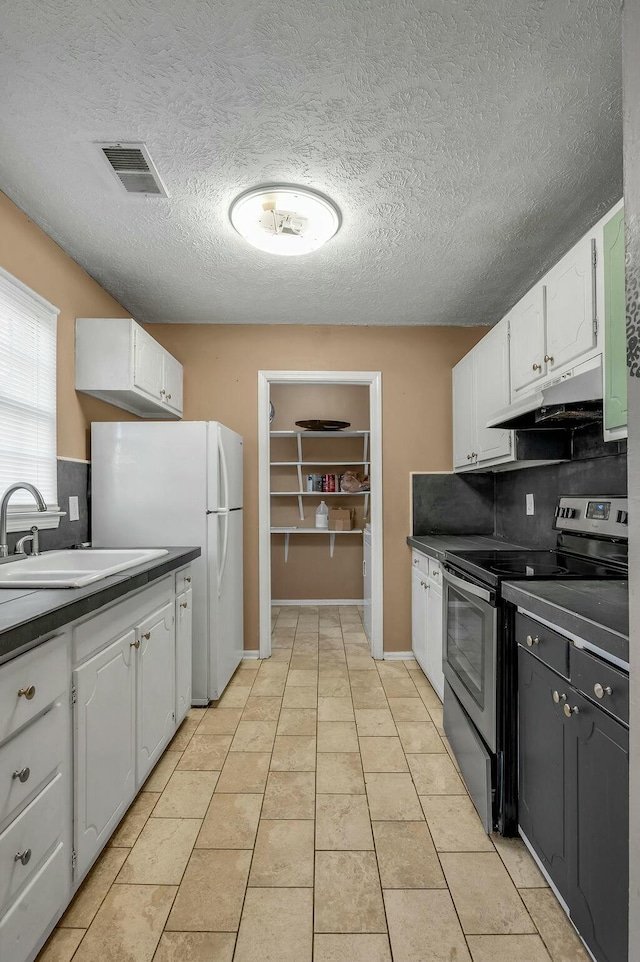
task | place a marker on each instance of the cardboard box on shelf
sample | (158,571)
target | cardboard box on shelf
(342,519)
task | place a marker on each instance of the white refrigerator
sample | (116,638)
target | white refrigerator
(162,484)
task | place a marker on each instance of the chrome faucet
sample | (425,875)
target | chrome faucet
(21,485)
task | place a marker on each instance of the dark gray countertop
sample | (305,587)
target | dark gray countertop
(436,545)
(596,611)
(28,613)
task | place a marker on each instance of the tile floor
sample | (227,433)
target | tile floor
(313,814)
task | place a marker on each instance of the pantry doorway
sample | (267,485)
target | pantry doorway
(274,453)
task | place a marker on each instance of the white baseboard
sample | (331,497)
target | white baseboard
(251,655)
(333,602)
(398,656)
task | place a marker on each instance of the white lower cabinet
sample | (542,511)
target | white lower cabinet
(104,735)
(84,717)
(426,618)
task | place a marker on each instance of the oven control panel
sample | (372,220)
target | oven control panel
(604,516)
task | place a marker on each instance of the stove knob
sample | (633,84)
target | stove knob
(623,517)
(557,697)
(532,641)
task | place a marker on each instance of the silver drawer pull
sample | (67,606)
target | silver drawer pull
(27,693)
(187,578)
(532,641)
(557,697)
(600,692)
(569,711)
(134,644)
(22,775)
(24,857)
(184,604)
(146,634)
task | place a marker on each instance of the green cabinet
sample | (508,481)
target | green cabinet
(615,349)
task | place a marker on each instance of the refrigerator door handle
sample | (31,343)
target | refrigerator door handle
(225,474)
(225,547)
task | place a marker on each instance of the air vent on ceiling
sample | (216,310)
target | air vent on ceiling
(134,169)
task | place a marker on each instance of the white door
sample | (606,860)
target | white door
(172,383)
(463,420)
(527,345)
(226,619)
(434,671)
(184,619)
(366,588)
(104,741)
(419,605)
(225,467)
(155,687)
(491,392)
(571,307)
(148,364)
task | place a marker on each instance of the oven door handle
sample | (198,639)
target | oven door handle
(467,586)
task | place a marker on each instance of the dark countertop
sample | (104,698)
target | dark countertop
(596,611)
(28,613)
(436,545)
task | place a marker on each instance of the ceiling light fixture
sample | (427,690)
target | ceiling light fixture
(285,220)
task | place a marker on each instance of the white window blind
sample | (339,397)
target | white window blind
(27,392)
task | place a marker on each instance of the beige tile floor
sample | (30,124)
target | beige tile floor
(313,814)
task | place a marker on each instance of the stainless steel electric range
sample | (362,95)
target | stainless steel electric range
(480,659)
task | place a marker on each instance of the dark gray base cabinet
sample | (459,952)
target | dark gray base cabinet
(574,802)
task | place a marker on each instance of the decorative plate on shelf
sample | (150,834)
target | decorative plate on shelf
(322,425)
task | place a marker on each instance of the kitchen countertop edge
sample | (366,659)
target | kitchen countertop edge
(28,618)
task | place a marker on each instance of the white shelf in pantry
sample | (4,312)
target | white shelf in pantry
(316,464)
(319,434)
(318,494)
(289,530)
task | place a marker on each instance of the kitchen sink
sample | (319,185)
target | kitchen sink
(73,568)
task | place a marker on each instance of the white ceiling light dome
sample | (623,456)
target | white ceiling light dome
(285,220)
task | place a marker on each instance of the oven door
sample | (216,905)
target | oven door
(470,648)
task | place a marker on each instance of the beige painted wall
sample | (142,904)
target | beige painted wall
(37,261)
(221,364)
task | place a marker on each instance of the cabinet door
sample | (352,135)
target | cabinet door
(491,392)
(104,737)
(172,383)
(463,420)
(542,759)
(598,787)
(527,344)
(155,687)
(419,606)
(570,287)
(615,332)
(148,364)
(184,619)
(435,672)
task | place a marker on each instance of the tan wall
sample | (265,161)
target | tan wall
(221,364)
(310,572)
(37,261)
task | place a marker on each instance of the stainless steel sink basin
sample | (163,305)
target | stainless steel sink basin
(74,568)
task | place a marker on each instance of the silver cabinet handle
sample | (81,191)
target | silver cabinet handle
(537,367)
(24,857)
(145,634)
(187,578)
(27,693)
(22,775)
(601,691)
(134,644)
(569,711)
(415,561)
(557,697)
(532,641)
(184,604)
(548,358)
(162,390)
(168,396)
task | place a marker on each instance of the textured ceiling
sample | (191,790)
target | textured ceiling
(468,144)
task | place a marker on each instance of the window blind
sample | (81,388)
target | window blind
(27,391)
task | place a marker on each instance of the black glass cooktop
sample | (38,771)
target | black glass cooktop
(497,566)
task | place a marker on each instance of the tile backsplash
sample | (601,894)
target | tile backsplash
(73,479)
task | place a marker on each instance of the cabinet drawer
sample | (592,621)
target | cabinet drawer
(36,752)
(421,562)
(435,572)
(23,926)
(34,832)
(544,643)
(183,580)
(600,681)
(30,683)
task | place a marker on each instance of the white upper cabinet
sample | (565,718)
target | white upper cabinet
(528,341)
(119,362)
(480,388)
(571,328)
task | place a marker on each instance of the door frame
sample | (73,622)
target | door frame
(372,380)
